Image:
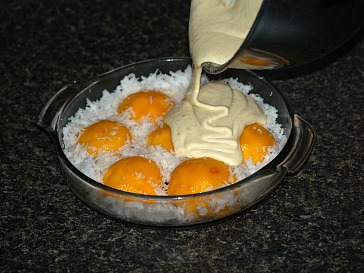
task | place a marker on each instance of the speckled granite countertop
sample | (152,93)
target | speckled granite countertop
(312,223)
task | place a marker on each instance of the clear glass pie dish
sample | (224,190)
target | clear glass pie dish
(175,211)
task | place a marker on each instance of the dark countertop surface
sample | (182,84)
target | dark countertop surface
(314,222)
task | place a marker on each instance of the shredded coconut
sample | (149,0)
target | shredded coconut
(174,85)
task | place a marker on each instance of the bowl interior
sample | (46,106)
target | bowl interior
(110,80)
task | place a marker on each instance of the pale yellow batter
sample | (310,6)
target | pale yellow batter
(209,121)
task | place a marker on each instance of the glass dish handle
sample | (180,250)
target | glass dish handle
(50,114)
(301,147)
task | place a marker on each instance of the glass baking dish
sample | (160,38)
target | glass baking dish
(175,211)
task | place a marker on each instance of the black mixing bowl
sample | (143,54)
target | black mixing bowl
(292,33)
